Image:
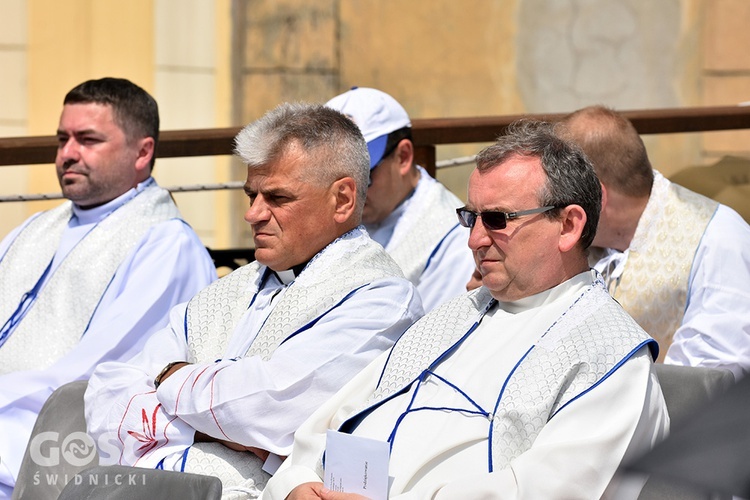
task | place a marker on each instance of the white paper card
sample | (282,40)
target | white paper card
(272,463)
(356,465)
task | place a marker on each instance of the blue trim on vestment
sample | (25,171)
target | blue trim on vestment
(184,459)
(606,375)
(27,301)
(34,292)
(352,422)
(315,320)
(421,379)
(266,274)
(185,322)
(98,303)
(649,342)
(497,405)
(437,247)
(160,465)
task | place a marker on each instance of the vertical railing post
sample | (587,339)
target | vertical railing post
(425,157)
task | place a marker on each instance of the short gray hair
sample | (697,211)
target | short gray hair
(570,177)
(332,141)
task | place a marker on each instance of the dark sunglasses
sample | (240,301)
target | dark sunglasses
(495,220)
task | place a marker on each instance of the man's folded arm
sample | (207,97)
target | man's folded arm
(221,398)
(113,385)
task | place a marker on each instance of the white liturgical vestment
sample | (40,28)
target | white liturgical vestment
(267,349)
(113,272)
(686,278)
(540,398)
(423,236)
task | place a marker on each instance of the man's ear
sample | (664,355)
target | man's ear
(405,156)
(604,196)
(573,220)
(146,151)
(344,192)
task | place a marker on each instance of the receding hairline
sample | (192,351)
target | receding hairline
(593,121)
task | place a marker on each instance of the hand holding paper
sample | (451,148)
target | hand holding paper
(356,465)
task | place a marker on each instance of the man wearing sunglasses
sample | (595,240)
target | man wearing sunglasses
(535,385)
(407,211)
(696,307)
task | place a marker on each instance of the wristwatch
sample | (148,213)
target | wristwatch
(164,371)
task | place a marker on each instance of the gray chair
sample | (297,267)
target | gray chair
(686,389)
(61,462)
(118,482)
(58,448)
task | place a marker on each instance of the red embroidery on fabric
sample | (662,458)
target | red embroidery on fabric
(148,437)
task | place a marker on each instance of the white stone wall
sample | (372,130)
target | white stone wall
(622,53)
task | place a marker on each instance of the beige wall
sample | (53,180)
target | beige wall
(192,85)
(443,58)
(13,103)
(59,45)
(57,61)
(178,50)
(225,62)
(726,69)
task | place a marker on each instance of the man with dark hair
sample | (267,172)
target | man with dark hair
(90,280)
(133,110)
(677,261)
(535,385)
(244,362)
(407,211)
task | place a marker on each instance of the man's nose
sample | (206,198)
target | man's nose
(257,211)
(478,236)
(68,151)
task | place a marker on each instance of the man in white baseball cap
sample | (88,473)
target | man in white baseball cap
(408,212)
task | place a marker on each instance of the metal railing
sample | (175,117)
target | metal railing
(428,133)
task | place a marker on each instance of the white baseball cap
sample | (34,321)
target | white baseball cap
(376,114)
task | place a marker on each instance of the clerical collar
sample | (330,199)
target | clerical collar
(89,215)
(288,276)
(285,277)
(578,282)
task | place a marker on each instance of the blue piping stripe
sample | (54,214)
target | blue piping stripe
(312,323)
(185,323)
(437,247)
(606,375)
(497,405)
(184,459)
(350,424)
(458,389)
(101,297)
